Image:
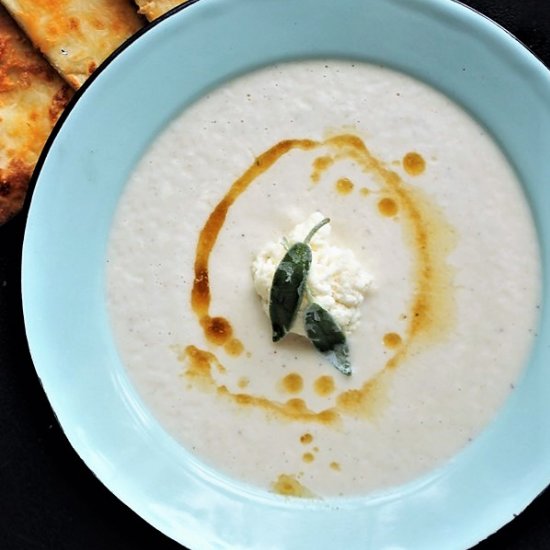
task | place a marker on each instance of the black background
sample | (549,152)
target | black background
(48,497)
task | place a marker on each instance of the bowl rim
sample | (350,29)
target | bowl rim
(443,4)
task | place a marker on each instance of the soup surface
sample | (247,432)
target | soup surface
(430,208)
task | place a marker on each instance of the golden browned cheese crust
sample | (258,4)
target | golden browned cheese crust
(155,8)
(32,96)
(76,35)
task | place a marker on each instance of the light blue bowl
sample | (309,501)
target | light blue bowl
(97,144)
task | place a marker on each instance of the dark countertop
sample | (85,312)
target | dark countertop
(48,497)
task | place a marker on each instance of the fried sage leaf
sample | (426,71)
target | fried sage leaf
(327,337)
(287,289)
(289,284)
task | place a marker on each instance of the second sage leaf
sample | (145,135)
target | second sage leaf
(327,336)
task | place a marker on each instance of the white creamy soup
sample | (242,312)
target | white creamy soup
(431,210)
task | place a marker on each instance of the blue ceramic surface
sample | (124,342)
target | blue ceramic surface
(98,142)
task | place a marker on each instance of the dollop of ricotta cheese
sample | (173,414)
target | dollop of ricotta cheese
(336,280)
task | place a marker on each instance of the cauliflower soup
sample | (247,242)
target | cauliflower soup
(434,268)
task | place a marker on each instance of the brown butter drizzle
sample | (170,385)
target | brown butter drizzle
(320,164)
(387,207)
(432,307)
(414,163)
(344,186)
(429,236)
(324,385)
(199,365)
(392,340)
(288,485)
(292,383)
(218,330)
